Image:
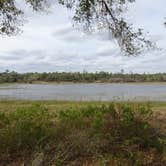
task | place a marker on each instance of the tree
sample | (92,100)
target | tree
(106,14)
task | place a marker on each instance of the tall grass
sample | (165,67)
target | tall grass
(105,134)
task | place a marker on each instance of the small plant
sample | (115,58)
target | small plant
(98,122)
(127,114)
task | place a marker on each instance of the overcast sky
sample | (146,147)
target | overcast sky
(50,43)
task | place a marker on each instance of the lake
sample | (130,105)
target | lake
(85,92)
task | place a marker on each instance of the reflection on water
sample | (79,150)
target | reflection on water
(77,92)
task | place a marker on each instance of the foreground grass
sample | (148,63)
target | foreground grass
(81,133)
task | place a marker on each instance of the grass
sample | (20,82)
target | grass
(81,133)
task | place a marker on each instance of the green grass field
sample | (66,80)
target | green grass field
(54,133)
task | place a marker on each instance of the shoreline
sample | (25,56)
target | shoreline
(70,82)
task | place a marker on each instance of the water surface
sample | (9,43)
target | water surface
(84,92)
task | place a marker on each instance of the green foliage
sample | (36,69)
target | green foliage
(128,114)
(71,118)
(111,132)
(98,121)
(11,14)
(145,111)
(103,14)
(13,77)
(109,15)
(25,128)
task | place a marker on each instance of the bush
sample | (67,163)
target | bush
(25,129)
(115,132)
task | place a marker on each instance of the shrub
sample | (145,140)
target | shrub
(25,129)
(112,132)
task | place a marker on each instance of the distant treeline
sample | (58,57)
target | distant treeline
(9,77)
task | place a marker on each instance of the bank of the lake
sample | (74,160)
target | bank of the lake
(60,133)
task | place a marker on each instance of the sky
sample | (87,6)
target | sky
(50,43)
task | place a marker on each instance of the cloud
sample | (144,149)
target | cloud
(50,43)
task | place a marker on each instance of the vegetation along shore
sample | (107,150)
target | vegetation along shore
(80,77)
(52,133)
